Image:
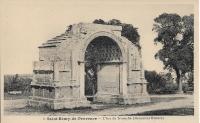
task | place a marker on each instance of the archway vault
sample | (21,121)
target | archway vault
(110,35)
(102,57)
(119,86)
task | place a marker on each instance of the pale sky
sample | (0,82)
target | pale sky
(26,24)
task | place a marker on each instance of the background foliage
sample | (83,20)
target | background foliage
(18,82)
(128,30)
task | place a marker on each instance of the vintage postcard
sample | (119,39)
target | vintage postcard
(99,61)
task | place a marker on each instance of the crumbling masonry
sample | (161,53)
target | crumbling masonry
(62,73)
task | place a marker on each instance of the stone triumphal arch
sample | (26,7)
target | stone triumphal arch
(88,60)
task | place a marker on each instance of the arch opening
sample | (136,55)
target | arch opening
(102,67)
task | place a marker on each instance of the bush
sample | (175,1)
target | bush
(187,87)
(169,88)
(160,83)
(17,83)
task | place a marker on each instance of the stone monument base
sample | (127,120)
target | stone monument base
(72,103)
(134,100)
(119,99)
(56,104)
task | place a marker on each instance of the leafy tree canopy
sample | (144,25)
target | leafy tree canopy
(128,30)
(176,34)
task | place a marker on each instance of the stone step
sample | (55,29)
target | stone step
(59,36)
(47,45)
(52,42)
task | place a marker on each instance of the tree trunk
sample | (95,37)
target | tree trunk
(179,82)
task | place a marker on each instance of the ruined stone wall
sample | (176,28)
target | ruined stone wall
(59,73)
(134,85)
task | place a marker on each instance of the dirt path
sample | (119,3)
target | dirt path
(159,102)
(185,102)
(179,101)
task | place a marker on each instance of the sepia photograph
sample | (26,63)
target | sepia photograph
(99,60)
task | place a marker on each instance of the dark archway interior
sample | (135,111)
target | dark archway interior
(101,50)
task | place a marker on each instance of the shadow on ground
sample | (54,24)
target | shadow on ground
(174,111)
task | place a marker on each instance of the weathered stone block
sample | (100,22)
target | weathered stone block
(65,62)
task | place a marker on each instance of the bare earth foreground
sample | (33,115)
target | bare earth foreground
(160,105)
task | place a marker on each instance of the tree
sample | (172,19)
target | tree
(176,34)
(128,30)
